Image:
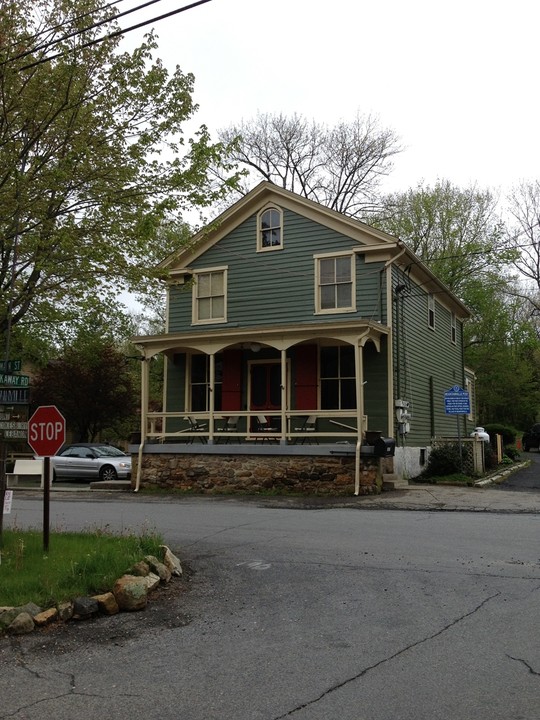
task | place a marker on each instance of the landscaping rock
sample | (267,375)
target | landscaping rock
(22,624)
(84,607)
(65,611)
(140,569)
(152,581)
(46,616)
(131,592)
(171,561)
(158,568)
(107,603)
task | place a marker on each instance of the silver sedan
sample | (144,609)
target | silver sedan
(91,461)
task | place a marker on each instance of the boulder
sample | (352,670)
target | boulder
(141,569)
(131,592)
(107,603)
(65,611)
(84,607)
(171,561)
(159,568)
(22,624)
(46,616)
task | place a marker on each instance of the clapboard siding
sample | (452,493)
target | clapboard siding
(276,287)
(426,362)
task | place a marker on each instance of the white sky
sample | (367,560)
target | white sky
(457,81)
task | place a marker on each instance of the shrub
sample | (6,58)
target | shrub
(508,433)
(444,460)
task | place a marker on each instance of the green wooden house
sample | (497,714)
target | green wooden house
(297,334)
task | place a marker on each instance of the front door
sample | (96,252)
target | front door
(265,386)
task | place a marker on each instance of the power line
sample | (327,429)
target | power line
(61,25)
(117,33)
(51,43)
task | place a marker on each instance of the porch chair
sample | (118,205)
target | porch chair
(230,427)
(263,426)
(196,427)
(307,426)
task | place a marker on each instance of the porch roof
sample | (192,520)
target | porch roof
(211,341)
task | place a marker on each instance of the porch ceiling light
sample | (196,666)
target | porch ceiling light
(255,347)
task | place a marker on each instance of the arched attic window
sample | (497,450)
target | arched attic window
(270,229)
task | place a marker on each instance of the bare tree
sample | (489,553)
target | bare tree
(340,167)
(524,236)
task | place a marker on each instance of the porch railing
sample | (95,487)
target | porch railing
(330,426)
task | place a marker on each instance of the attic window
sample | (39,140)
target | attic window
(270,230)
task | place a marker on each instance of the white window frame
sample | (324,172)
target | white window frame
(195,297)
(431,311)
(269,248)
(332,311)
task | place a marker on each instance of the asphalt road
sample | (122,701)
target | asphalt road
(294,613)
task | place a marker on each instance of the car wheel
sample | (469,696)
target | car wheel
(108,473)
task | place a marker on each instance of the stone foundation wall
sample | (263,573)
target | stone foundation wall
(245,473)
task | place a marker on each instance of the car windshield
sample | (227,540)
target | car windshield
(108,451)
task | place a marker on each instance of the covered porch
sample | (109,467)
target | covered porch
(320,390)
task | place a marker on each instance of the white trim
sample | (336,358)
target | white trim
(194,297)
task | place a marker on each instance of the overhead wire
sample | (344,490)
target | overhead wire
(37,35)
(116,33)
(75,33)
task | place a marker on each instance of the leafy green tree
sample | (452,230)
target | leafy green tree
(93,162)
(456,232)
(92,383)
(459,235)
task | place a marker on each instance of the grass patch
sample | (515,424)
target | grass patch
(76,564)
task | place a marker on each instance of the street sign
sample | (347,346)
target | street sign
(17,380)
(457,401)
(10,366)
(14,396)
(46,431)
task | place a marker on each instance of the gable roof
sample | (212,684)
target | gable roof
(379,244)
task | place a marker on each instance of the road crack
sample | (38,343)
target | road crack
(524,662)
(413,645)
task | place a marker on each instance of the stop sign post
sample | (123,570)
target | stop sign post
(46,435)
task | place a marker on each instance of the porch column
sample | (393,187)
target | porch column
(145,394)
(283,440)
(359,373)
(212,398)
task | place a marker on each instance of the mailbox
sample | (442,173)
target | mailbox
(385,447)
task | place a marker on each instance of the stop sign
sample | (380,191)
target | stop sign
(46,431)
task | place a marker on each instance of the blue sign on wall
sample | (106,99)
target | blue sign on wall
(457,401)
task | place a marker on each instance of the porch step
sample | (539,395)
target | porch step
(120,485)
(391,481)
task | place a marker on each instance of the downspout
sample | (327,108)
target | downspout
(359,371)
(145,372)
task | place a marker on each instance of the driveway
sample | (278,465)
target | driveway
(527,478)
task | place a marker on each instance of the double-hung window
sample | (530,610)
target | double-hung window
(453,328)
(210,296)
(335,289)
